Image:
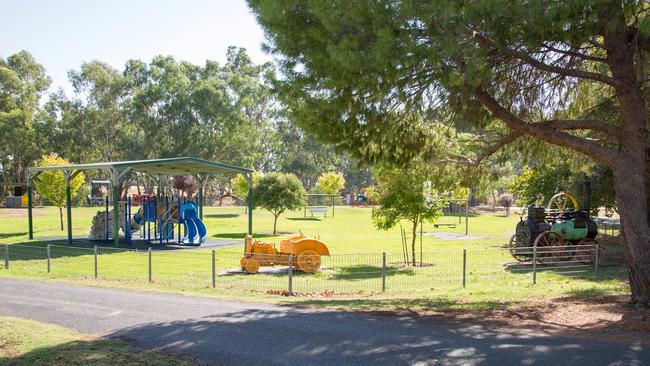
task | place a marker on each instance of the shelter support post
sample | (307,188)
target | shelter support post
(69,176)
(116,213)
(31,177)
(249,178)
(29,210)
(68,204)
(202,180)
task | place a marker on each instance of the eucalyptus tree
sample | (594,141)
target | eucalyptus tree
(357,71)
(96,120)
(215,112)
(23,139)
(302,154)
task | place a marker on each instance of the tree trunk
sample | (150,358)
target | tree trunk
(275,223)
(414,232)
(61,217)
(221,197)
(631,200)
(630,180)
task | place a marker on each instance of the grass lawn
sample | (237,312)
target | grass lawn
(27,342)
(352,273)
(350,231)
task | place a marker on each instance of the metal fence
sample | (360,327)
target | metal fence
(343,274)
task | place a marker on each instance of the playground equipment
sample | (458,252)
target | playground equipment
(102,224)
(560,223)
(361,199)
(306,253)
(157,220)
(156,170)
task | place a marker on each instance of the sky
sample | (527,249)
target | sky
(63,34)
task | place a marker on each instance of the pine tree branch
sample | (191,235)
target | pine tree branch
(544,132)
(546,67)
(493,148)
(579,55)
(582,124)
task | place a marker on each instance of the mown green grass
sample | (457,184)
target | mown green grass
(27,342)
(350,231)
(351,277)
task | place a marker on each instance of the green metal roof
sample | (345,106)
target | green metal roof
(171,166)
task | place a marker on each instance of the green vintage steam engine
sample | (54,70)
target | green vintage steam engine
(561,231)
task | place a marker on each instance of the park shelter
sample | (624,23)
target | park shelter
(156,169)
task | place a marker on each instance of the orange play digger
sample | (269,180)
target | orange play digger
(306,253)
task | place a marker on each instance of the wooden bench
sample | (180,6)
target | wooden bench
(318,210)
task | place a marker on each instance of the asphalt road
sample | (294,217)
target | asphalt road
(232,333)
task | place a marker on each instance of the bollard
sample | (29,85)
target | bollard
(535,264)
(596,263)
(214,269)
(6,256)
(95,254)
(149,264)
(49,256)
(383,272)
(291,275)
(464,267)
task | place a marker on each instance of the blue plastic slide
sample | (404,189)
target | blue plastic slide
(195,230)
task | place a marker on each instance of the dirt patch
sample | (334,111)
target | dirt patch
(483,209)
(606,318)
(451,236)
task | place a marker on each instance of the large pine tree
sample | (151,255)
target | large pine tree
(376,77)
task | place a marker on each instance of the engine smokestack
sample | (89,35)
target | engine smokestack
(586,195)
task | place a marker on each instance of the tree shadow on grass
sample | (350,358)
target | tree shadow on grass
(37,250)
(569,270)
(242,235)
(95,352)
(586,293)
(437,304)
(222,216)
(363,272)
(11,235)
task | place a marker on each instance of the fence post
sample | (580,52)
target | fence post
(291,275)
(49,256)
(464,267)
(214,269)
(95,255)
(596,262)
(7,256)
(149,253)
(534,264)
(383,272)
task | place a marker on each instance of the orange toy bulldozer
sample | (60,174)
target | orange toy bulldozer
(306,254)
